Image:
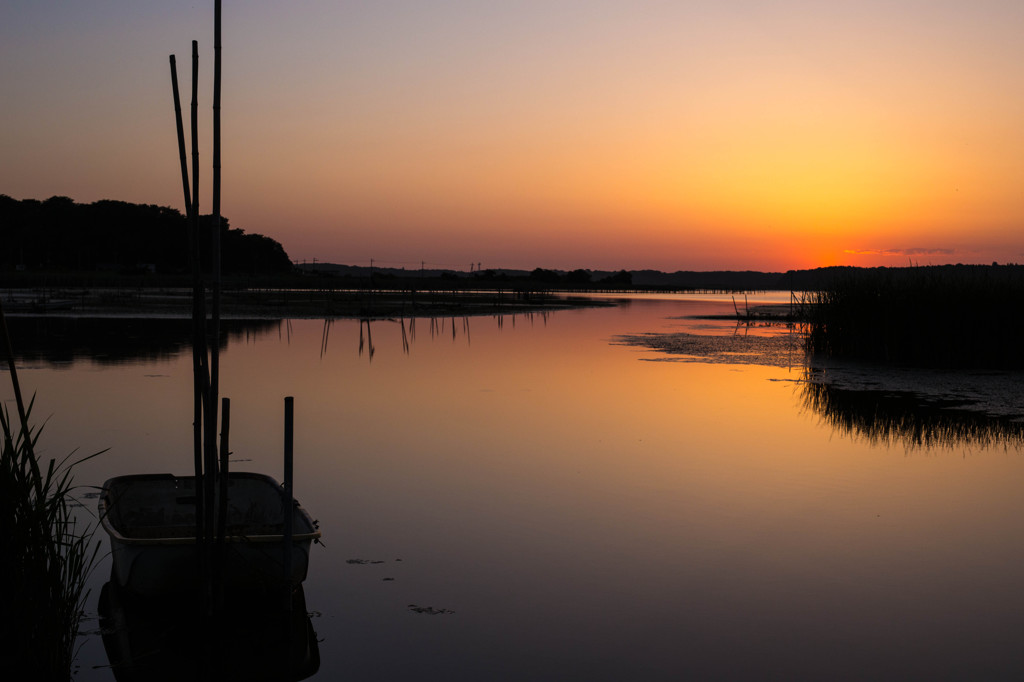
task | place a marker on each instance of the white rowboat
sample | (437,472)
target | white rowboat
(151,519)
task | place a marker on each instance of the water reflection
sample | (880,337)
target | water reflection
(116,341)
(256,639)
(531,316)
(111,341)
(912,418)
(369,339)
(440,327)
(881,405)
(406,338)
(644,520)
(439,324)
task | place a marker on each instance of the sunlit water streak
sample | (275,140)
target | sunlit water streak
(533,498)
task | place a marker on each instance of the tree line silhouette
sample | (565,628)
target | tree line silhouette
(59,234)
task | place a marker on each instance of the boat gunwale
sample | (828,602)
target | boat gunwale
(190,539)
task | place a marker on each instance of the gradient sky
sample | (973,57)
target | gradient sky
(727,134)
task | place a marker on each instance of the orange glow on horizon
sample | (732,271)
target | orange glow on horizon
(683,136)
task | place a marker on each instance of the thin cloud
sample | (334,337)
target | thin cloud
(900,252)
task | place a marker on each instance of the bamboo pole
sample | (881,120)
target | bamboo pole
(222,497)
(289,430)
(225,452)
(181,142)
(198,317)
(215,265)
(193,237)
(207,435)
(195,132)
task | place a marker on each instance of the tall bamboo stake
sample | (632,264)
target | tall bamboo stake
(215,358)
(289,430)
(210,516)
(193,240)
(195,132)
(181,145)
(214,343)
(225,453)
(198,323)
(222,501)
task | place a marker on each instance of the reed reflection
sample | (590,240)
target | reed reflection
(163,639)
(439,327)
(368,341)
(406,338)
(530,315)
(908,418)
(112,341)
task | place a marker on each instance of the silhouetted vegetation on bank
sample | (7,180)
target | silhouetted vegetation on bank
(330,275)
(60,236)
(46,555)
(889,314)
(956,316)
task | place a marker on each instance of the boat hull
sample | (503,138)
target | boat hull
(150,519)
(162,639)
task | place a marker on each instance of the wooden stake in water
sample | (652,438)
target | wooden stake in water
(181,138)
(215,258)
(225,452)
(197,352)
(222,503)
(289,430)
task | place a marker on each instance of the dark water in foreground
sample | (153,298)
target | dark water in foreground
(541,498)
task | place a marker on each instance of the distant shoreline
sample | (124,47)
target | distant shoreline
(285,303)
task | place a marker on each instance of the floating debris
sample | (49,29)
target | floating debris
(429,610)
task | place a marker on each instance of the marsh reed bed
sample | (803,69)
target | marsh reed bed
(45,554)
(956,316)
(45,557)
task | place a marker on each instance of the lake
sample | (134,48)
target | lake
(627,492)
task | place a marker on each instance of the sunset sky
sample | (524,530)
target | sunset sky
(699,135)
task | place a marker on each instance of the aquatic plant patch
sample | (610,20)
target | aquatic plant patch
(783,350)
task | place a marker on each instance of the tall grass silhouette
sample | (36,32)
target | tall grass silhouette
(939,316)
(46,556)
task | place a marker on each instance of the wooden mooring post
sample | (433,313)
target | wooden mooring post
(289,504)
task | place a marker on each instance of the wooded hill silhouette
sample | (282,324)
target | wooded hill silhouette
(60,235)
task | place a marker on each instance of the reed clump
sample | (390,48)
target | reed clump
(45,557)
(956,316)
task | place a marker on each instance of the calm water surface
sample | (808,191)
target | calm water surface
(575,507)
